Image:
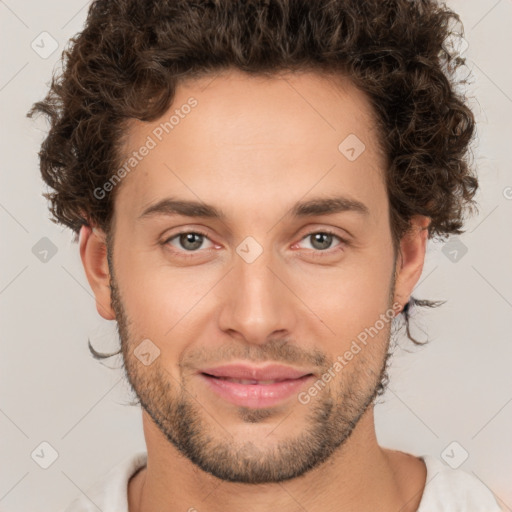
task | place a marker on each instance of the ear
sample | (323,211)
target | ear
(410,258)
(93,252)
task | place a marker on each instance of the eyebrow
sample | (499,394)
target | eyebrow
(316,206)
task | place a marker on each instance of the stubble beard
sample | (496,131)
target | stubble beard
(332,416)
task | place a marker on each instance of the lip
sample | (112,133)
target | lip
(245,371)
(255,395)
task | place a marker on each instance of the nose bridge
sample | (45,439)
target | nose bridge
(257,303)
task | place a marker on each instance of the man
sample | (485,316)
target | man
(254,184)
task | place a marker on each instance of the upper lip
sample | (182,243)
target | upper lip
(248,372)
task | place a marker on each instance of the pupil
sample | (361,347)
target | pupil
(187,238)
(327,238)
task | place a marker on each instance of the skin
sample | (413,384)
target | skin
(253,147)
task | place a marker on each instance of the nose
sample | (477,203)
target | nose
(257,302)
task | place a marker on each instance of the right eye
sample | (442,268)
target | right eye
(188,241)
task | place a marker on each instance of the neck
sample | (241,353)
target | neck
(359,476)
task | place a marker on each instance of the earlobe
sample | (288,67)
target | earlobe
(93,252)
(411,258)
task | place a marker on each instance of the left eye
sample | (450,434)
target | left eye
(321,240)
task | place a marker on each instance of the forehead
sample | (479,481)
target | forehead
(253,139)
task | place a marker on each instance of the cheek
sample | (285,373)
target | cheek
(352,298)
(161,302)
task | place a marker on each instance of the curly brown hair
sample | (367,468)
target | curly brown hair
(132,54)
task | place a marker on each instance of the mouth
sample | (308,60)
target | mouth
(248,381)
(254,387)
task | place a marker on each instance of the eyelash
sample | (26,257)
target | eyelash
(183,254)
(316,253)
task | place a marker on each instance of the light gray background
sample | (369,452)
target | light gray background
(458,388)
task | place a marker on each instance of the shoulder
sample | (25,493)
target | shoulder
(110,492)
(454,490)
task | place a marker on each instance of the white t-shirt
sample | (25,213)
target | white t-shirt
(446,489)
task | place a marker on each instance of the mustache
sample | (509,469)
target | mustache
(277,351)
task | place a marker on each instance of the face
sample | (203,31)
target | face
(255,323)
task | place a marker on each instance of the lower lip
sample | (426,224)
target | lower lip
(255,396)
